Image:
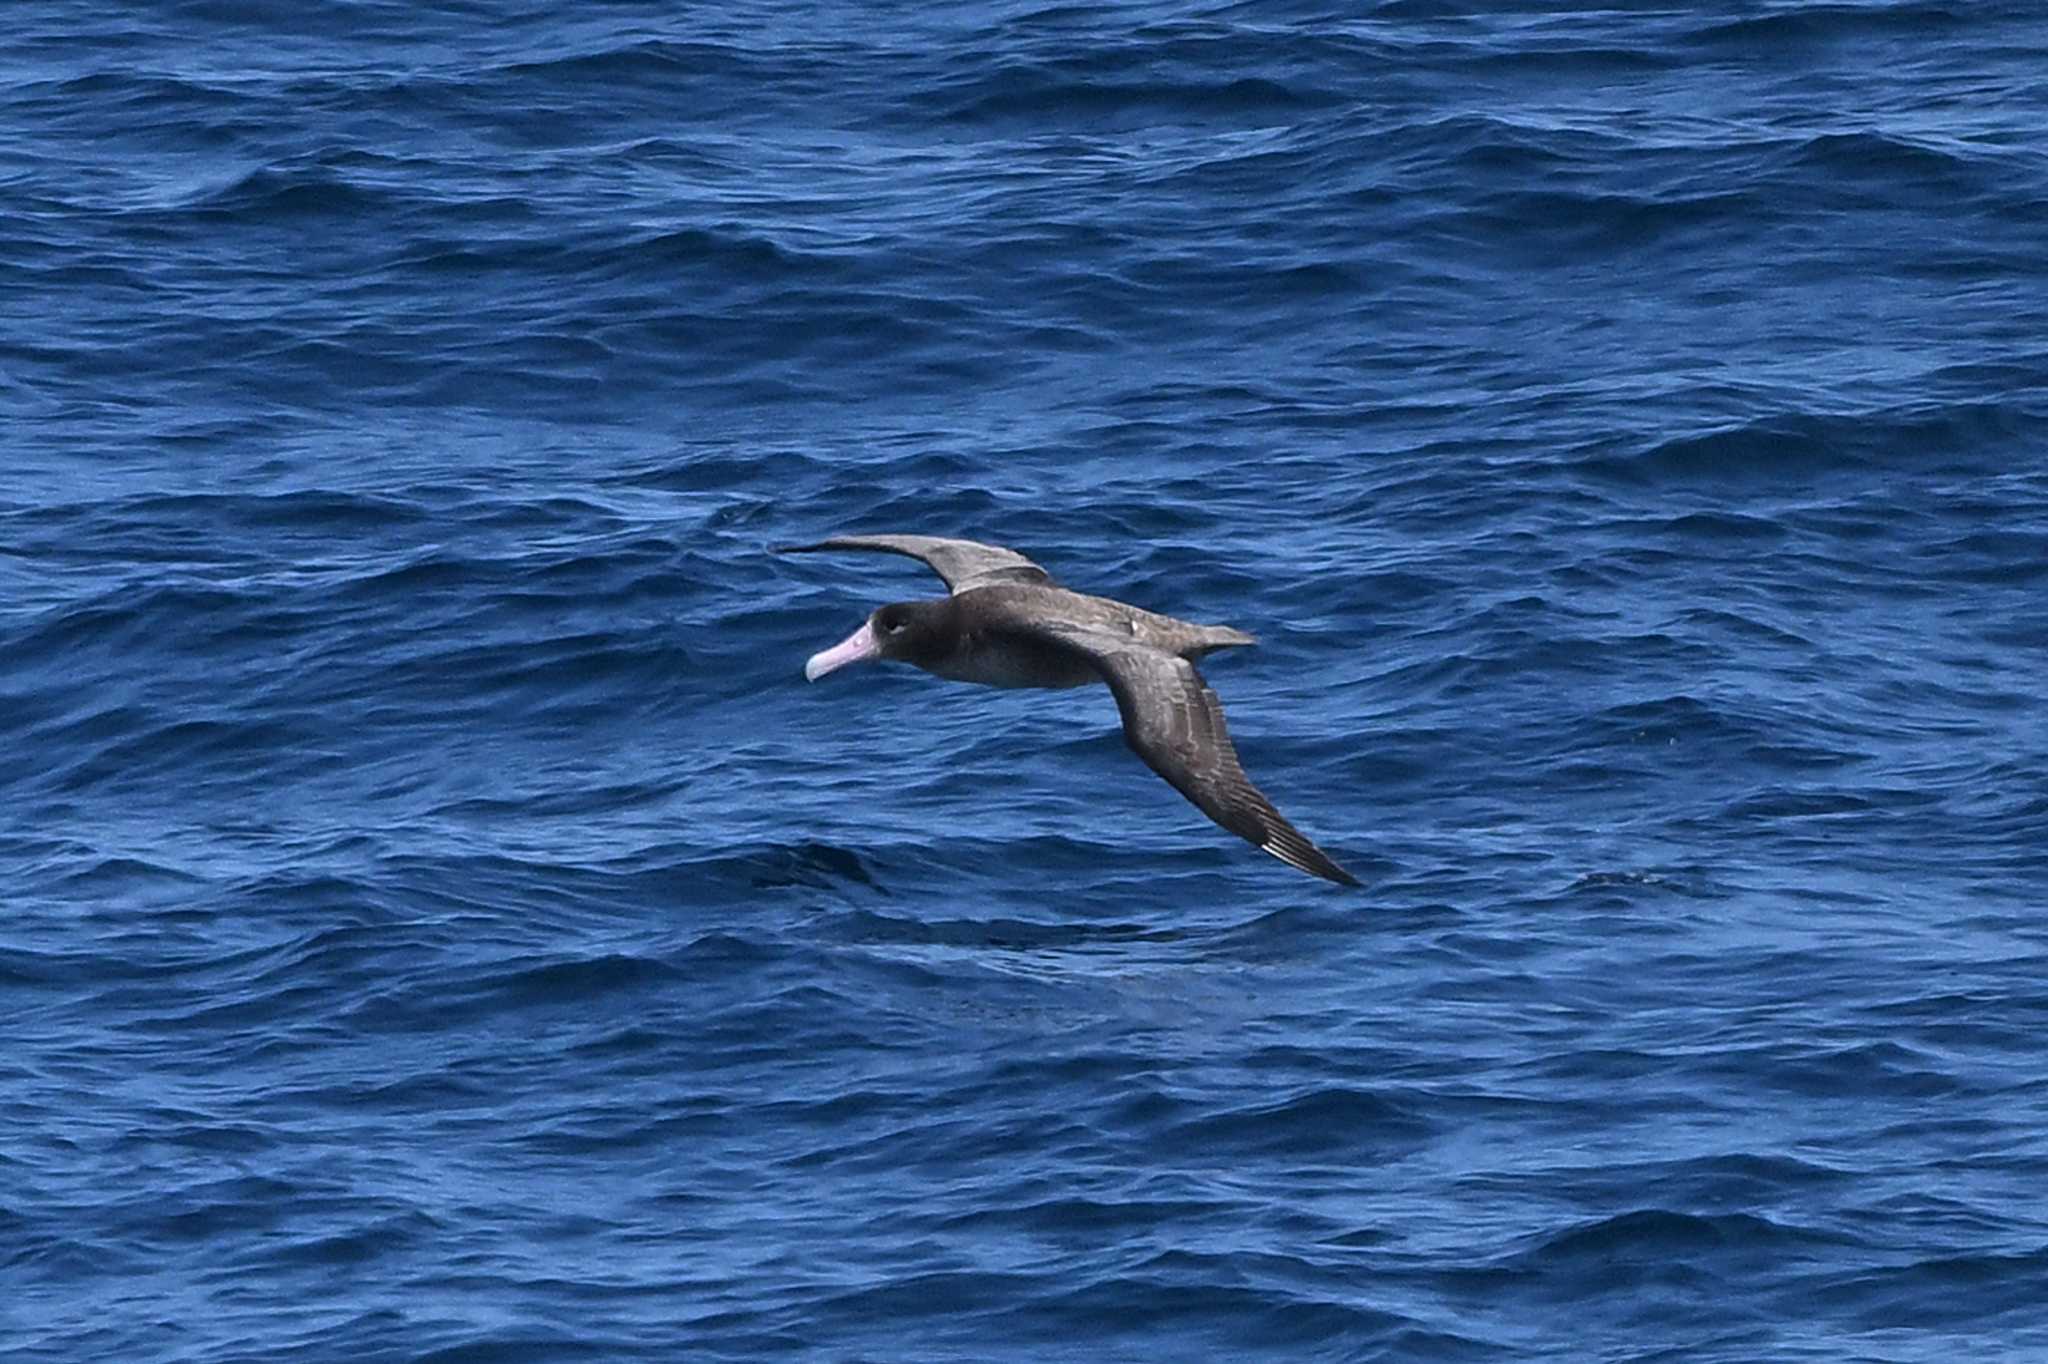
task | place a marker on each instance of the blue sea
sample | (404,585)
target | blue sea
(442,924)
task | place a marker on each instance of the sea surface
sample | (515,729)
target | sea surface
(439,922)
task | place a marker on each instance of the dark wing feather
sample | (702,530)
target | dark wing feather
(962,563)
(1175,723)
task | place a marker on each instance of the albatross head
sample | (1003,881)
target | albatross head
(910,632)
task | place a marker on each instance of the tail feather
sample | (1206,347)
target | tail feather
(1224,637)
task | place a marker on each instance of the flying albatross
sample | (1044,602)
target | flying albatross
(1007,624)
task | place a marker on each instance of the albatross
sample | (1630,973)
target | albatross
(1006,623)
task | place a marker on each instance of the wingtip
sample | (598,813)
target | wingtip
(1311,859)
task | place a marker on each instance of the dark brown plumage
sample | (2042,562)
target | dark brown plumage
(1007,624)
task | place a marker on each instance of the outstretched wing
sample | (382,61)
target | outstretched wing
(962,563)
(1175,723)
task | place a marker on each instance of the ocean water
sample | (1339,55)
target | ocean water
(441,923)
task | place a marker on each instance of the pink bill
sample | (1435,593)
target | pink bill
(855,647)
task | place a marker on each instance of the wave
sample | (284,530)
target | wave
(1039,94)
(1823,23)
(1802,447)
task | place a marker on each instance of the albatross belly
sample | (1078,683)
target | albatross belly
(1004,662)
